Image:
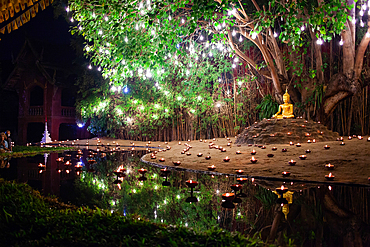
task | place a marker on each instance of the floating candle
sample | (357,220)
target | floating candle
(228,196)
(223,150)
(368,139)
(263,147)
(253,160)
(229,144)
(308,141)
(307,134)
(292,162)
(359,137)
(236,187)
(329,166)
(314,140)
(285,174)
(289,133)
(191,183)
(142,171)
(182,152)
(179,143)
(349,138)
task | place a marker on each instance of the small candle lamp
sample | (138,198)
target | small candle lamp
(308,151)
(161,159)
(359,137)
(302,157)
(342,144)
(211,168)
(292,162)
(303,126)
(368,139)
(307,134)
(229,144)
(285,174)
(182,152)
(91,162)
(226,159)
(200,140)
(208,157)
(289,133)
(236,187)
(298,145)
(253,152)
(283,150)
(330,177)
(250,145)
(263,147)
(238,145)
(309,141)
(349,137)
(329,166)
(270,155)
(188,153)
(176,163)
(291,143)
(238,152)
(253,160)
(223,150)
(142,171)
(326,146)
(200,155)
(239,172)
(179,143)
(274,148)
(168,148)
(153,157)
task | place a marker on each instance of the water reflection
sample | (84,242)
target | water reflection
(311,214)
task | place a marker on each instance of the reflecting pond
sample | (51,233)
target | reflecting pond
(310,214)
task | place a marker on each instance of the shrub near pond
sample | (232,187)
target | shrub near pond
(29,219)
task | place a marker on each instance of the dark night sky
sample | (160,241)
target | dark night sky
(44,27)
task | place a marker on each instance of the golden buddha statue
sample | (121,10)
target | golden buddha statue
(286,109)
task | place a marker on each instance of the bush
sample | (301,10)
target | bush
(29,219)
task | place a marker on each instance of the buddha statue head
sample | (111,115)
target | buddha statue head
(286,97)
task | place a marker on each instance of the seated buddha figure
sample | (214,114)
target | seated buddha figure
(286,109)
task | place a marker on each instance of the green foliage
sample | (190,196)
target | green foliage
(268,107)
(28,219)
(317,96)
(267,198)
(33,150)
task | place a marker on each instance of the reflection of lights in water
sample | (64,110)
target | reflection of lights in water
(178,197)
(161,220)
(165,202)
(239,214)
(134,190)
(186,224)
(111,211)
(329,187)
(218,218)
(138,218)
(198,199)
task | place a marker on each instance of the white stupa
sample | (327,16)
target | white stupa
(46,135)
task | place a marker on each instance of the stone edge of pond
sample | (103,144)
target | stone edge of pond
(249,176)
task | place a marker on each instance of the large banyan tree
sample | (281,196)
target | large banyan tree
(315,49)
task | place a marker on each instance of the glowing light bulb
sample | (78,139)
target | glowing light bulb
(240,39)
(126,39)
(67,9)
(89,67)
(72,20)
(233,66)
(302,28)
(254,35)
(233,33)
(275,34)
(319,42)
(201,37)
(99,68)
(106,18)
(100,32)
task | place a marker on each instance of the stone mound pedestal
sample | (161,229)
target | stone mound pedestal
(283,131)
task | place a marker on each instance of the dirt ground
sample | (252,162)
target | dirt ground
(351,161)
